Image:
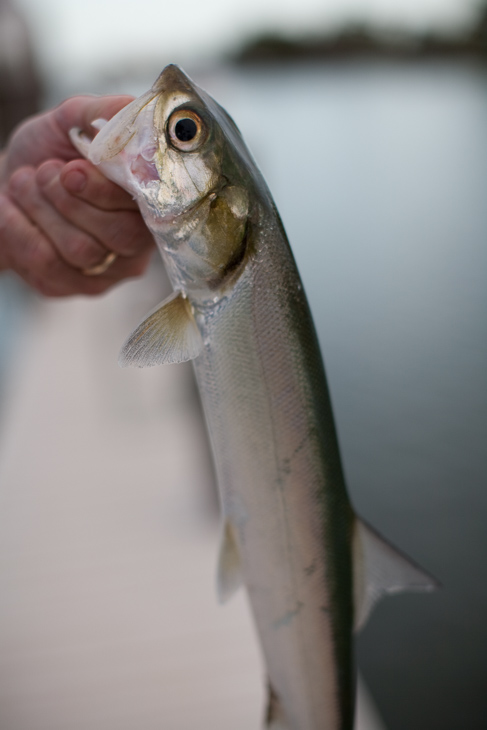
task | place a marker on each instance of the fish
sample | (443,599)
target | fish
(312,568)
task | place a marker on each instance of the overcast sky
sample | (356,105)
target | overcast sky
(88,32)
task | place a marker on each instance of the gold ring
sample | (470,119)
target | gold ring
(101,268)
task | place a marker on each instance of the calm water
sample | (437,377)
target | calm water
(380,174)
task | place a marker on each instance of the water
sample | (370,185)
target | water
(380,175)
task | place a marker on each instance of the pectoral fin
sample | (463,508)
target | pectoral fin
(229,577)
(169,334)
(379,568)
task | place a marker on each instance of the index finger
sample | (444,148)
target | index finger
(86,182)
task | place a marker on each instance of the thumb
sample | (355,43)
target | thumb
(81,111)
(46,136)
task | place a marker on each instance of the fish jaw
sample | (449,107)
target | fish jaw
(125,147)
(133,149)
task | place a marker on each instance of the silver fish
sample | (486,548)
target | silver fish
(312,569)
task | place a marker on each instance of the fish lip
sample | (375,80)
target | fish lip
(113,139)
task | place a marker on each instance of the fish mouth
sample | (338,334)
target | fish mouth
(143,167)
(129,142)
(117,135)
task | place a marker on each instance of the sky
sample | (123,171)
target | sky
(93,32)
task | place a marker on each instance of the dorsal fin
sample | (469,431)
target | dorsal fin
(379,568)
(169,334)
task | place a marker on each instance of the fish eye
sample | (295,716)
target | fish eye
(186,130)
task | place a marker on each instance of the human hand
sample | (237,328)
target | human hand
(58,214)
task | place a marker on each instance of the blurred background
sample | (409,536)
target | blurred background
(369,121)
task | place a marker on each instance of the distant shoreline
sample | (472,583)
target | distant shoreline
(363,42)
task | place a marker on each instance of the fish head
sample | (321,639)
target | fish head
(183,159)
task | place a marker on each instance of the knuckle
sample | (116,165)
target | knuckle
(8,215)
(47,172)
(37,255)
(67,110)
(76,246)
(42,258)
(129,233)
(82,251)
(20,181)
(64,203)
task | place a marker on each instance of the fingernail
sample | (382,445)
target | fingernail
(74,181)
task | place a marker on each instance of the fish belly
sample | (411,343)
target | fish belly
(268,413)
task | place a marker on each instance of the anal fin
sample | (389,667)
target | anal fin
(379,568)
(169,334)
(229,576)
(275,718)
